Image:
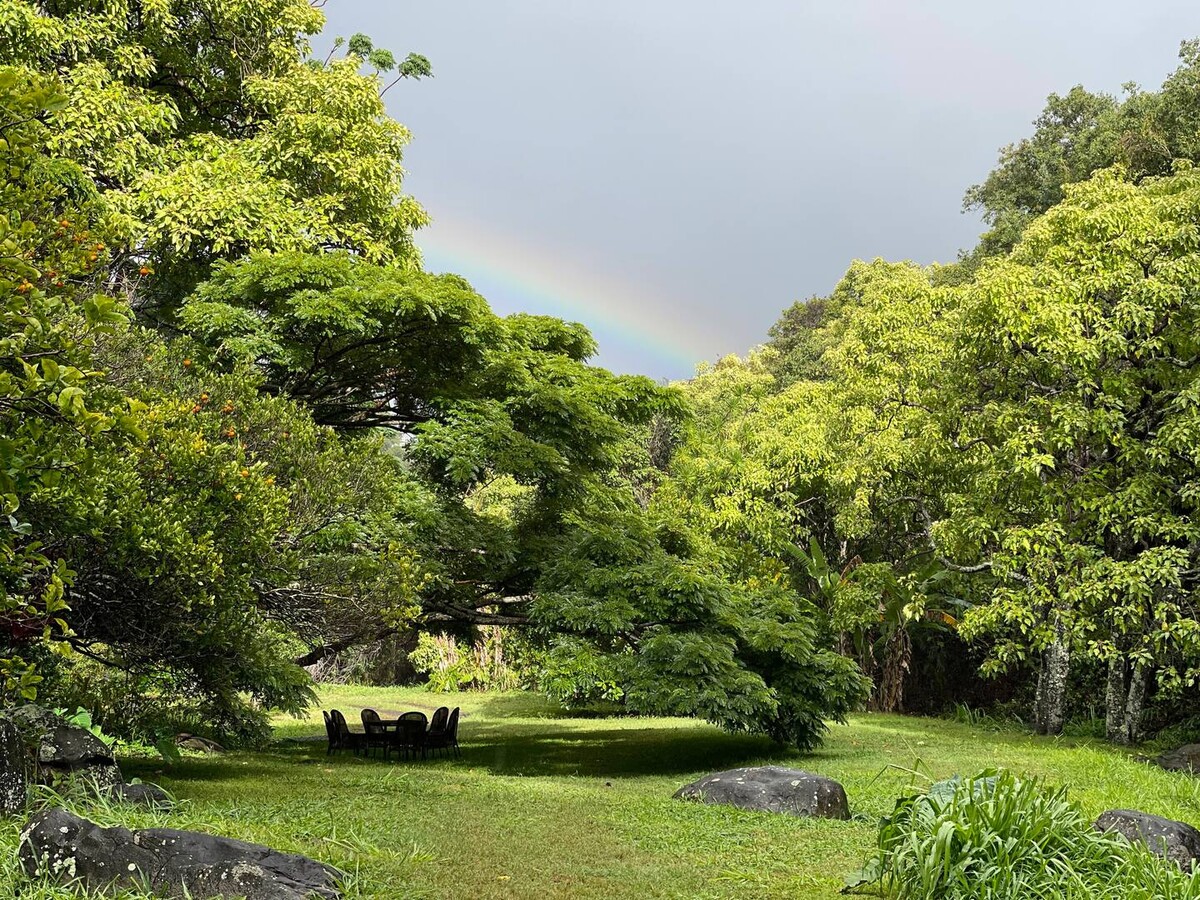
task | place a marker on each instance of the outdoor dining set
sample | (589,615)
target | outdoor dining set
(410,734)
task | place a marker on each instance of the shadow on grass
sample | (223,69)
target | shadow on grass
(534,706)
(542,749)
(213,768)
(601,753)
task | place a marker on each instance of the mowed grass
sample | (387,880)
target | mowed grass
(542,804)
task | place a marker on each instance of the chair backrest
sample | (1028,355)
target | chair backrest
(339,722)
(371,723)
(411,728)
(330,731)
(438,722)
(452,724)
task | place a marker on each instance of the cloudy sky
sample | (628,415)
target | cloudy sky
(673,173)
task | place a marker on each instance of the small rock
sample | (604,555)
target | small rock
(1176,841)
(1181,759)
(772,789)
(198,744)
(148,795)
(175,864)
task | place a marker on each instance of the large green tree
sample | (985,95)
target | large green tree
(1080,353)
(52,315)
(1032,426)
(211,132)
(1079,133)
(568,547)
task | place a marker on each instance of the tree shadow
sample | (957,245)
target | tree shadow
(549,750)
(526,705)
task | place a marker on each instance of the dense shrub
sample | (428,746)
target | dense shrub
(995,837)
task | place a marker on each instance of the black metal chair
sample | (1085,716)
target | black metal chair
(330,733)
(411,733)
(375,732)
(447,738)
(438,722)
(345,738)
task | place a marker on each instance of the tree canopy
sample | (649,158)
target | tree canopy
(248,431)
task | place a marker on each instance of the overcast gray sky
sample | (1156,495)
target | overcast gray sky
(673,173)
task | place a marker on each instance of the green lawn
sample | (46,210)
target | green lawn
(545,805)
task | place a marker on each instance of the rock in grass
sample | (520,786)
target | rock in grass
(148,795)
(772,789)
(40,746)
(198,744)
(1181,759)
(59,751)
(176,864)
(1176,841)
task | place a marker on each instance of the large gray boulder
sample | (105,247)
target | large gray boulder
(60,751)
(1176,841)
(1181,759)
(177,864)
(772,789)
(40,747)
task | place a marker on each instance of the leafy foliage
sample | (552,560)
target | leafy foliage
(211,133)
(52,315)
(233,512)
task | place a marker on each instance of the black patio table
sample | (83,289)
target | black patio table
(407,733)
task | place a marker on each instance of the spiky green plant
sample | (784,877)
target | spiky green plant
(997,837)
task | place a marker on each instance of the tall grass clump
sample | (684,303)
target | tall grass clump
(997,837)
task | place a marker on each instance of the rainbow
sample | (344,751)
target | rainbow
(631,324)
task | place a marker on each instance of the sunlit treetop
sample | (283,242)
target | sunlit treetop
(213,133)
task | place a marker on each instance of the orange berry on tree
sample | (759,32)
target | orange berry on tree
(187,363)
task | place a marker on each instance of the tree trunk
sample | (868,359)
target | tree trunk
(1050,715)
(1124,701)
(1114,699)
(1132,732)
(888,695)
